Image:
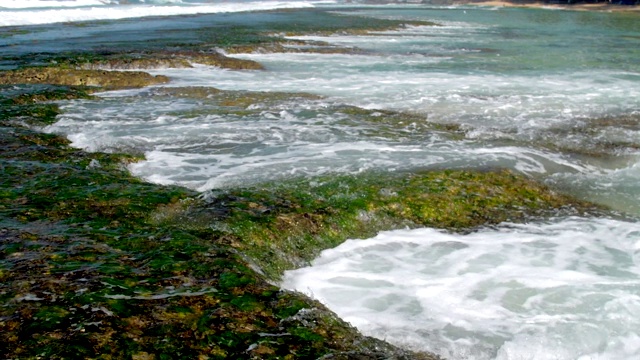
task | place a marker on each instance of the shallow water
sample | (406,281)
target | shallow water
(551,94)
(203,145)
(569,116)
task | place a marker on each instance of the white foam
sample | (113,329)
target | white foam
(30,4)
(192,143)
(89,13)
(557,290)
(484,100)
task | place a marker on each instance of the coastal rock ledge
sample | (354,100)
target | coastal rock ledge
(95,263)
(109,80)
(92,265)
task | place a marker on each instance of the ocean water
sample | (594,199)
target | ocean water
(551,94)
(35,12)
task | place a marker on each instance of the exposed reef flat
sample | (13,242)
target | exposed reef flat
(73,77)
(91,265)
(157,60)
(94,261)
(106,71)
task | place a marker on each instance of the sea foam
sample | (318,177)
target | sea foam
(564,289)
(88,10)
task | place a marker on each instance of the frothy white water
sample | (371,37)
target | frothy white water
(566,289)
(418,70)
(508,111)
(397,82)
(68,11)
(31,4)
(199,144)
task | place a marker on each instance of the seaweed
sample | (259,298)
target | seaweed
(91,266)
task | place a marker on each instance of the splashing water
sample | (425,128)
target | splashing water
(567,289)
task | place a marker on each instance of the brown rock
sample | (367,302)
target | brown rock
(172,60)
(75,77)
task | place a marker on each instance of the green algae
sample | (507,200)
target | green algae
(118,267)
(285,225)
(77,77)
(33,105)
(87,271)
(96,263)
(118,280)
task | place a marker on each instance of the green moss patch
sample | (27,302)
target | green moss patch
(95,263)
(92,265)
(75,77)
(284,225)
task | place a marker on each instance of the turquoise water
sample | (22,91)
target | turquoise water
(551,94)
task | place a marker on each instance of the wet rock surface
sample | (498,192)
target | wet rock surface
(97,263)
(91,265)
(74,77)
(184,59)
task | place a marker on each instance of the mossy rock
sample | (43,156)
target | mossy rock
(34,104)
(97,263)
(73,77)
(180,59)
(86,269)
(284,225)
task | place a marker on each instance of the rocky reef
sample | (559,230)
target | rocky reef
(109,80)
(182,59)
(95,263)
(108,72)
(92,264)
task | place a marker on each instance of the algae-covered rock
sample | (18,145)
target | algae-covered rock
(133,63)
(33,104)
(293,46)
(284,225)
(75,77)
(95,262)
(89,268)
(217,59)
(180,59)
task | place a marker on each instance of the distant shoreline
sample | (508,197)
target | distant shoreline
(607,7)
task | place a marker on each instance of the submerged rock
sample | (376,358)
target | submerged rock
(293,46)
(216,59)
(605,137)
